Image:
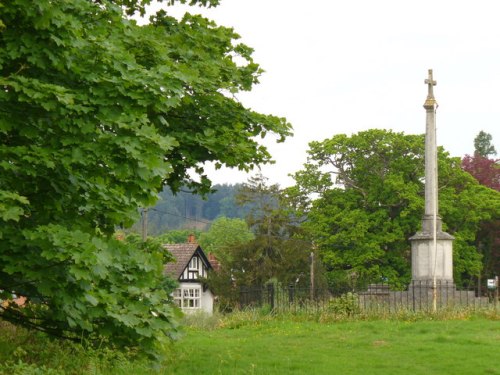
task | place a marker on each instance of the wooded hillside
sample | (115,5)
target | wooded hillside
(187,210)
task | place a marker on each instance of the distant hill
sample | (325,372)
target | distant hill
(186,210)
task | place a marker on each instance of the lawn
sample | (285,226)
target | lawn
(262,344)
(364,347)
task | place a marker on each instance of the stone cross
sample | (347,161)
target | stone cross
(430,83)
(430,106)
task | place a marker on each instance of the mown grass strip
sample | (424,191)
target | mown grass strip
(367,347)
(255,343)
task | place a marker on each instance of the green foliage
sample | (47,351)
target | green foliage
(264,258)
(223,235)
(189,210)
(278,251)
(487,172)
(346,305)
(467,209)
(96,115)
(11,206)
(97,289)
(177,236)
(370,201)
(483,146)
(25,352)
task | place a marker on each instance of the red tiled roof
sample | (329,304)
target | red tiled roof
(182,252)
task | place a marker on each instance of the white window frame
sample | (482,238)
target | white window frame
(188,298)
(194,264)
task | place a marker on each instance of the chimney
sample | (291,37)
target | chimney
(214,262)
(191,238)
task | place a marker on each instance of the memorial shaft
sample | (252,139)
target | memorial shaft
(431,191)
(432,249)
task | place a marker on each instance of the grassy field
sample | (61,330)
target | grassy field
(256,344)
(369,347)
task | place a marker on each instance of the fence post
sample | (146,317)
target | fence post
(290,293)
(270,294)
(312,276)
(242,296)
(497,284)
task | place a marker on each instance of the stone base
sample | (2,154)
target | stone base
(418,296)
(431,259)
(446,293)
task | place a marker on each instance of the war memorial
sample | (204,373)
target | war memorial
(432,284)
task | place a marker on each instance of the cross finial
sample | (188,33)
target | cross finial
(430,83)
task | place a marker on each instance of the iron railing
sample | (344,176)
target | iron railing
(420,295)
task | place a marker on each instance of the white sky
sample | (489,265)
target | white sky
(336,67)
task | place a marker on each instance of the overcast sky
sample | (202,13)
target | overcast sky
(340,67)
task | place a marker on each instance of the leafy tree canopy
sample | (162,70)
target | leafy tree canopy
(483,146)
(223,234)
(96,115)
(187,210)
(177,236)
(278,251)
(487,172)
(368,200)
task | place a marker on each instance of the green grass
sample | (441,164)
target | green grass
(25,352)
(363,347)
(252,343)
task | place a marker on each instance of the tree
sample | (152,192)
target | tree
(487,172)
(278,253)
(177,236)
(483,146)
(96,115)
(222,203)
(224,234)
(480,166)
(279,250)
(264,202)
(186,209)
(369,193)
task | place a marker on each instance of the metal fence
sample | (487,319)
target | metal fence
(420,295)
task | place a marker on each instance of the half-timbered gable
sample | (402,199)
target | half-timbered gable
(196,268)
(189,268)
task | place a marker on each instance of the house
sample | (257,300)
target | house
(190,265)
